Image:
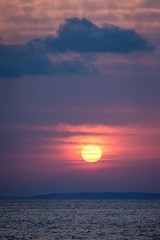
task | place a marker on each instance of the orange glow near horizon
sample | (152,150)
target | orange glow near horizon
(62,150)
(117,143)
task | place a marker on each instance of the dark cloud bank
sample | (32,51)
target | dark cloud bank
(75,35)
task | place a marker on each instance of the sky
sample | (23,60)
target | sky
(77,73)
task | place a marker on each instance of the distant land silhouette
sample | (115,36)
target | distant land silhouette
(90,196)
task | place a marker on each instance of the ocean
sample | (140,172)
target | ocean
(80,219)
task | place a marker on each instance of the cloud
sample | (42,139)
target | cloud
(76,36)
(81,35)
(21,60)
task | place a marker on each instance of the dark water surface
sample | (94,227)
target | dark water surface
(104,219)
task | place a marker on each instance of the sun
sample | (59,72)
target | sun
(91,153)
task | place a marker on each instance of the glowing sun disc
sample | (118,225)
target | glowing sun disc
(91,153)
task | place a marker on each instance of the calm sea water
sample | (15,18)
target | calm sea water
(53,220)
